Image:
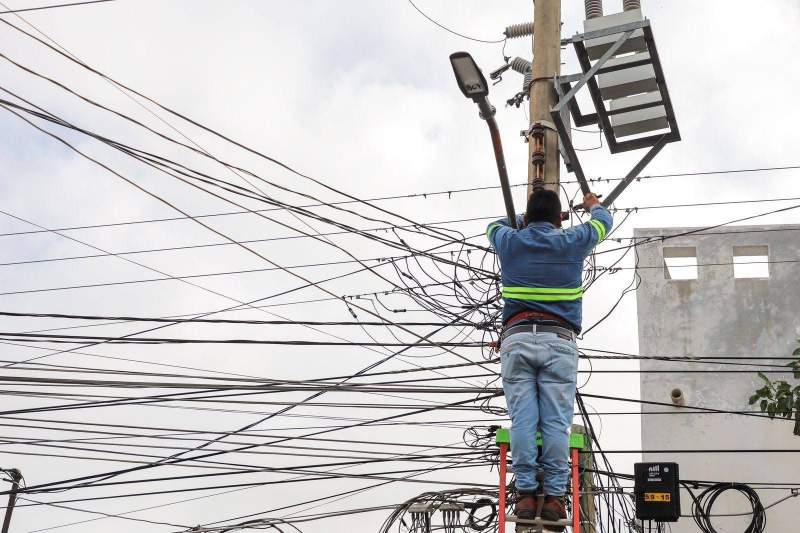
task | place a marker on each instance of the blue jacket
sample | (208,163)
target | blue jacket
(542,266)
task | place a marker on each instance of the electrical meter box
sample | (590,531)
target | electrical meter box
(656,487)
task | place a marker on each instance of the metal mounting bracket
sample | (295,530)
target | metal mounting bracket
(567,87)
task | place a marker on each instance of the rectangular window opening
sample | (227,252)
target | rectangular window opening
(680,262)
(751,262)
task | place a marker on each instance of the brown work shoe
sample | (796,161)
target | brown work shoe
(526,506)
(554,510)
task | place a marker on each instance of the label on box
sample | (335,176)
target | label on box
(657,497)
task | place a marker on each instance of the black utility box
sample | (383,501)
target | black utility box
(656,490)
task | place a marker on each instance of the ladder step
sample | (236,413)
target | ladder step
(537,521)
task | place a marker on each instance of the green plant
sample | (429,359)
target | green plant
(779,398)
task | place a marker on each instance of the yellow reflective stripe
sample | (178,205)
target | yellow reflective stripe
(543,294)
(491,229)
(542,297)
(600,228)
(545,290)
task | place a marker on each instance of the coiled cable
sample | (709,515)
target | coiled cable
(704,502)
(481,523)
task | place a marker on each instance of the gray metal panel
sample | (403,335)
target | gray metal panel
(630,81)
(637,120)
(597,47)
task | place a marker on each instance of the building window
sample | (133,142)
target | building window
(751,262)
(680,262)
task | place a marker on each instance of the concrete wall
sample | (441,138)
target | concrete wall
(718,315)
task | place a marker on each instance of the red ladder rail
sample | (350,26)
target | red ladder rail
(576,444)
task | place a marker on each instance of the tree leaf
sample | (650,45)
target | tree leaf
(780,398)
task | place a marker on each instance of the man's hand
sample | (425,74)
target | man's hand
(590,200)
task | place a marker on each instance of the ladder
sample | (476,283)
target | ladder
(576,444)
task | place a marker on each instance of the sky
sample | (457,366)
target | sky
(359,96)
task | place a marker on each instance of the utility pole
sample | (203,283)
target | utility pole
(588,509)
(544,161)
(16,477)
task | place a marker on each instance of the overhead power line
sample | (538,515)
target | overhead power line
(445,28)
(395,197)
(41,8)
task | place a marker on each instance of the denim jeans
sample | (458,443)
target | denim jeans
(539,375)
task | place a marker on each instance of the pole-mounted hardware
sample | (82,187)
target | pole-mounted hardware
(16,477)
(473,84)
(622,71)
(497,75)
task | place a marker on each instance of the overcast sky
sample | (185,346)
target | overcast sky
(359,95)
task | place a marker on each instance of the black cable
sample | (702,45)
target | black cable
(57,485)
(453,31)
(703,504)
(74,339)
(210,228)
(40,8)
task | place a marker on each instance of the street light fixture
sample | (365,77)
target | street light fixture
(473,84)
(469,77)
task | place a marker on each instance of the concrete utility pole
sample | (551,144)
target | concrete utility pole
(544,163)
(16,477)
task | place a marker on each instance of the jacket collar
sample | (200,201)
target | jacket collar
(542,224)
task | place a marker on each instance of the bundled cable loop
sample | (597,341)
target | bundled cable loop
(703,504)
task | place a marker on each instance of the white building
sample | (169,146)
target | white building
(732,303)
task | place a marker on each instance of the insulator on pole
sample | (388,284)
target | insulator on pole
(628,5)
(519,30)
(521,65)
(594,8)
(526,82)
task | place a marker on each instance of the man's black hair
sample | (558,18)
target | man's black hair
(544,206)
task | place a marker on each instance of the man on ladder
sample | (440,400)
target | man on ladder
(541,271)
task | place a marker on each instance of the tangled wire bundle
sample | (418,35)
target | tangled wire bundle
(702,505)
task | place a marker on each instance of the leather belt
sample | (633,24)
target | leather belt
(564,333)
(532,316)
